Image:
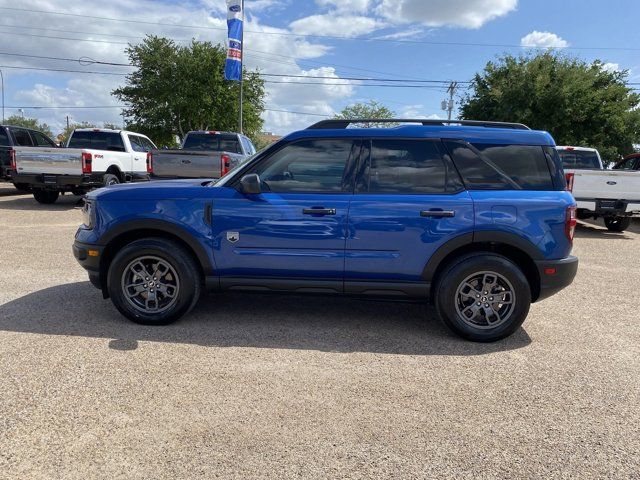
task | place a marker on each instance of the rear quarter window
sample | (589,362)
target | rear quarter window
(501,167)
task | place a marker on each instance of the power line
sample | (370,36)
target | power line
(331,37)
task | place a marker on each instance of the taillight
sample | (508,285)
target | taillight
(12,159)
(225,165)
(569,178)
(149,162)
(87,159)
(570,223)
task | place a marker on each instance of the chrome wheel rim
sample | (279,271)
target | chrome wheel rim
(485,300)
(150,284)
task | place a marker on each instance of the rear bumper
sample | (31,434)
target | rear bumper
(59,182)
(89,256)
(609,207)
(556,275)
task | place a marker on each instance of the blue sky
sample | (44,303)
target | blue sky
(610,28)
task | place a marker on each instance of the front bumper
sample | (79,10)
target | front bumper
(556,275)
(89,256)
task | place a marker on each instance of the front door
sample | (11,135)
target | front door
(292,235)
(409,201)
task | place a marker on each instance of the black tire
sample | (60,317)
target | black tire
(448,299)
(22,187)
(110,179)
(617,224)
(46,197)
(180,260)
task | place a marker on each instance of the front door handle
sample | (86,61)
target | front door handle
(319,211)
(437,213)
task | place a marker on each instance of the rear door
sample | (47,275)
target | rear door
(409,201)
(294,229)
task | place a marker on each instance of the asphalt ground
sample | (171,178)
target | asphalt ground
(260,386)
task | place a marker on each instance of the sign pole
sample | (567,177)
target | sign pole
(241,65)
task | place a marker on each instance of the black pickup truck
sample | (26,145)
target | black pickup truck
(11,137)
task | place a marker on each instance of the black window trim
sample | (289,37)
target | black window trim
(357,142)
(449,165)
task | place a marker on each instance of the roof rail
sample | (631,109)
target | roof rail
(339,123)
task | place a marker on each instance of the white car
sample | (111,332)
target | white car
(93,157)
(611,194)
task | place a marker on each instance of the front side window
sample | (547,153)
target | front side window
(307,166)
(409,167)
(42,140)
(501,167)
(627,164)
(137,143)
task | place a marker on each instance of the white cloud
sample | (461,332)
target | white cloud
(360,6)
(267,52)
(611,67)
(440,13)
(342,25)
(543,39)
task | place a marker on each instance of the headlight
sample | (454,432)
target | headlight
(88,214)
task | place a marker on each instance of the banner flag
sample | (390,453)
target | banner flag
(233,65)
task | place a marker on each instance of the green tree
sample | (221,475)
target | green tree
(579,103)
(180,88)
(369,110)
(20,121)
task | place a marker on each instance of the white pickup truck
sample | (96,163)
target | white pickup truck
(611,194)
(93,157)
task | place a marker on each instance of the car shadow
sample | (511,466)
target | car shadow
(64,202)
(591,229)
(10,191)
(251,321)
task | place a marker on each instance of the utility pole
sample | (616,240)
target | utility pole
(67,122)
(448,105)
(2,77)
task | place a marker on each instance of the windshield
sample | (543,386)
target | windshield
(212,142)
(580,159)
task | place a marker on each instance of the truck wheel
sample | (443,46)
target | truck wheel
(22,187)
(617,224)
(110,179)
(45,196)
(483,297)
(153,281)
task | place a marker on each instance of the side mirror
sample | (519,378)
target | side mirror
(251,184)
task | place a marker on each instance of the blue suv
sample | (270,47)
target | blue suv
(473,216)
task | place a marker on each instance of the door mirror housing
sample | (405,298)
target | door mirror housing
(251,184)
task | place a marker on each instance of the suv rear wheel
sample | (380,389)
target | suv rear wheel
(617,224)
(153,281)
(483,297)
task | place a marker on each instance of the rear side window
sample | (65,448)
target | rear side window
(4,138)
(21,138)
(579,159)
(409,167)
(97,140)
(501,167)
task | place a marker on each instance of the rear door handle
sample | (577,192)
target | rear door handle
(319,211)
(437,213)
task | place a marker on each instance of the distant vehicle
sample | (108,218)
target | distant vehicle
(630,162)
(12,137)
(474,217)
(611,194)
(94,157)
(203,154)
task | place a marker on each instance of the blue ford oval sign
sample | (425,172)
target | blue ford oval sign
(611,182)
(234,8)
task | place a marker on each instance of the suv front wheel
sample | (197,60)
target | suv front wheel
(153,281)
(483,297)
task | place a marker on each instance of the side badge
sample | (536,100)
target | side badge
(233,237)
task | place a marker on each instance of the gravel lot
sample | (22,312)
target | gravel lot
(290,387)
